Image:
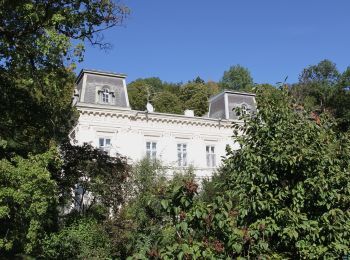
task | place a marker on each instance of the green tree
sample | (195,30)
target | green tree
(140,223)
(37,56)
(290,178)
(139,93)
(213,88)
(40,41)
(195,96)
(83,239)
(167,102)
(284,194)
(141,90)
(28,202)
(237,78)
(339,102)
(317,83)
(90,171)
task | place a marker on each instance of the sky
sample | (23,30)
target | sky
(180,40)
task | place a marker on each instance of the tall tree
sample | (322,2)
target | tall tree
(100,179)
(36,60)
(139,93)
(40,41)
(28,202)
(195,96)
(167,102)
(283,195)
(316,84)
(141,90)
(237,78)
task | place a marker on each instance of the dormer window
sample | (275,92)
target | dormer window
(105,96)
(244,109)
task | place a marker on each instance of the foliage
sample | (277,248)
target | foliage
(323,89)
(317,82)
(84,239)
(284,194)
(213,88)
(142,90)
(36,55)
(195,96)
(290,179)
(28,201)
(167,102)
(140,221)
(139,93)
(97,178)
(237,78)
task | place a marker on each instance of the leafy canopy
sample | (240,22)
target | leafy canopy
(36,60)
(237,78)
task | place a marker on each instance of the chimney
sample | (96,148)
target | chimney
(189,112)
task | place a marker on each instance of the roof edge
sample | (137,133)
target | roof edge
(99,72)
(231,92)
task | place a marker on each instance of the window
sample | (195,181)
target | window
(181,154)
(243,110)
(105,144)
(211,160)
(151,150)
(105,96)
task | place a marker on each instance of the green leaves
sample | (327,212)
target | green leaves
(287,178)
(28,200)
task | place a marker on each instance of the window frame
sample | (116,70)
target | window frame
(210,155)
(105,95)
(182,154)
(105,147)
(151,150)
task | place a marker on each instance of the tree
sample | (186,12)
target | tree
(198,80)
(139,93)
(140,222)
(290,179)
(97,178)
(83,239)
(40,41)
(36,60)
(141,90)
(167,102)
(283,195)
(317,82)
(195,96)
(237,78)
(213,88)
(28,201)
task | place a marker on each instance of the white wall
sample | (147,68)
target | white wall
(130,130)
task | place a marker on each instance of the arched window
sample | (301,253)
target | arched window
(105,96)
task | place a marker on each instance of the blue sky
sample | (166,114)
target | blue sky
(180,40)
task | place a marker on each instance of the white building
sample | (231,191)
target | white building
(179,141)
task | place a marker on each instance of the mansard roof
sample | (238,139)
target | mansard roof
(100,72)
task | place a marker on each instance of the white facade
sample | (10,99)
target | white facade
(178,141)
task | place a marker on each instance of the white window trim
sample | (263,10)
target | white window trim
(99,95)
(151,153)
(182,161)
(210,155)
(106,148)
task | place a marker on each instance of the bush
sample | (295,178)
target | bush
(83,239)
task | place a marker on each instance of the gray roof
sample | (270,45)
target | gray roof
(231,92)
(100,72)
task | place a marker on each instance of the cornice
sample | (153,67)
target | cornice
(125,113)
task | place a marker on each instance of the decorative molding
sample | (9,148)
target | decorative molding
(105,111)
